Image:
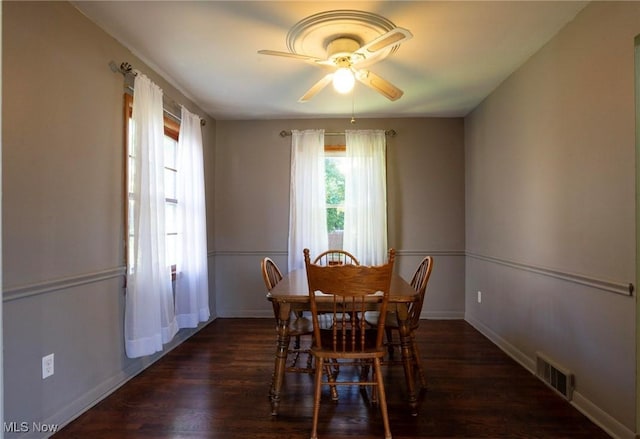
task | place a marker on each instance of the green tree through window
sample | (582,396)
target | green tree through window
(334,183)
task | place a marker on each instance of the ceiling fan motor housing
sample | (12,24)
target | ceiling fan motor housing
(342,47)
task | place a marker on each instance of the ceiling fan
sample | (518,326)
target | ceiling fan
(347,59)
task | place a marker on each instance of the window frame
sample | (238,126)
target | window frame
(171,130)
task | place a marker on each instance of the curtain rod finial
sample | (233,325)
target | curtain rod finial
(126,67)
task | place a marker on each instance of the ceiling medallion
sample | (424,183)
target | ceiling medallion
(346,42)
(313,35)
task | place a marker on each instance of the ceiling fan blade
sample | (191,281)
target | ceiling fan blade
(379,84)
(394,36)
(316,88)
(308,58)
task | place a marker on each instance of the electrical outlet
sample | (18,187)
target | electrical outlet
(479,296)
(47,366)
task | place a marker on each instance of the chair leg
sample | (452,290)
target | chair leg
(295,353)
(317,391)
(389,334)
(309,362)
(382,397)
(374,389)
(365,367)
(417,361)
(330,379)
(336,368)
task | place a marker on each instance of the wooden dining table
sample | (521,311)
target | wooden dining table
(292,294)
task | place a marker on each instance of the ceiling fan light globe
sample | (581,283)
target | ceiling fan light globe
(343,80)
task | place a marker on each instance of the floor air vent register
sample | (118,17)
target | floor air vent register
(557,377)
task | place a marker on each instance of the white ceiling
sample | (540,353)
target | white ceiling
(459,53)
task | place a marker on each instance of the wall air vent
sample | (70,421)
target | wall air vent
(555,376)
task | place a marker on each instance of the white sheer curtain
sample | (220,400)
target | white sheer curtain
(149,314)
(308,204)
(365,199)
(192,283)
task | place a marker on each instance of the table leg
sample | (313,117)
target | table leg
(407,360)
(283,313)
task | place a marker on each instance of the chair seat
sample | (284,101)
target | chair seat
(371,317)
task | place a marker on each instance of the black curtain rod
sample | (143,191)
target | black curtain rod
(390,133)
(126,69)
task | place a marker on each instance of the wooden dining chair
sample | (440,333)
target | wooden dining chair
(352,290)
(329,258)
(335,257)
(419,282)
(299,325)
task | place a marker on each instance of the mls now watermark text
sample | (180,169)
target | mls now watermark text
(25,427)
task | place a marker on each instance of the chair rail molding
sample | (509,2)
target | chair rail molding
(261,253)
(48,286)
(625,289)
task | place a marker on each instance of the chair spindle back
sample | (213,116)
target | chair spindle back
(335,257)
(419,283)
(351,288)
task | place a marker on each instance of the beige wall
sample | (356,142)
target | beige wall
(541,177)
(425,165)
(62,182)
(550,210)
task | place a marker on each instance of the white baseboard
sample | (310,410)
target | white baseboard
(95,395)
(598,416)
(246,314)
(443,315)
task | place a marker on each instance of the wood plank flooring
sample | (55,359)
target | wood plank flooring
(216,384)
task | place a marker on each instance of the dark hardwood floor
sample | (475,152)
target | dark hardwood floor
(215,385)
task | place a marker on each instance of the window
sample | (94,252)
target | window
(171,132)
(159,302)
(171,201)
(334,186)
(364,206)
